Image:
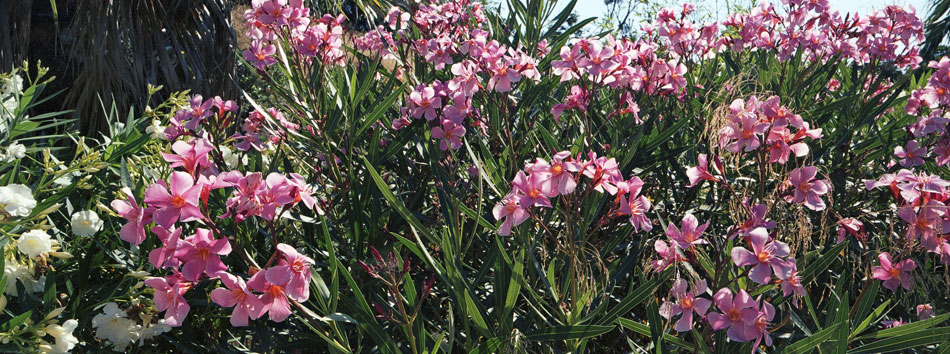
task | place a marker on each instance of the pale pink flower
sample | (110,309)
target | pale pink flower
(699,172)
(246,304)
(686,303)
(450,134)
(298,287)
(273,284)
(912,154)
(260,55)
(169,297)
(165,256)
(894,275)
(757,323)
(510,210)
(792,284)
(533,189)
(635,205)
(850,226)
(137,216)
(732,313)
(766,256)
(189,155)
(807,188)
(668,255)
(424,102)
(689,234)
(560,172)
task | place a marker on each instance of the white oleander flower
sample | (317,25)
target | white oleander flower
(15,151)
(85,223)
(15,271)
(232,160)
(156,130)
(33,243)
(63,335)
(17,200)
(113,325)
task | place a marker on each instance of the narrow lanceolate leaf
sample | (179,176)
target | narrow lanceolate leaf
(907,328)
(807,344)
(644,330)
(643,292)
(917,339)
(568,332)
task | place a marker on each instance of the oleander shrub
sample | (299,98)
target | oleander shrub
(457,180)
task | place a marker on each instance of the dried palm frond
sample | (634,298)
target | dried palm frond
(119,47)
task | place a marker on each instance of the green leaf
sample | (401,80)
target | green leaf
(807,344)
(568,332)
(915,339)
(907,328)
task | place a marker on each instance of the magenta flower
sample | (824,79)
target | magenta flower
(273,284)
(534,189)
(201,254)
(894,275)
(757,323)
(246,304)
(513,213)
(181,203)
(765,257)
(169,297)
(199,111)
(260,55)
(450,133)
(851,226)
(298,265)
(912,154)
(689,233)
(604,173)
(924,311)
(924,223)
(189,155)
(807,188)
(166,256)
(138,216)
(686,303)
(732,313)
(699,172)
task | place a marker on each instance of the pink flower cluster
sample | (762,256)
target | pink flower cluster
(183,199)
(189,120)
(756,124)
(269,21)
(891,35)
(257,131)
(541,180)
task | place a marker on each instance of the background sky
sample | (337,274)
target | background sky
(596,8)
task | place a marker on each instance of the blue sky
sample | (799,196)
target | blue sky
(592,8)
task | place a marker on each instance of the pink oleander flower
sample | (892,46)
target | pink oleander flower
(503,76)
(851,226)
(513,213)
(189,155)
(273,284)
(246,304)
(668,255)
(731,317)
(166,256)
(298,265)
(686,303)
(912,154)
(533,189)
(560,172)
(894,275)
(450,134)
(699,172)
(260,55)
(202,254)
(892,323)
(834,85)
(138,216)
(199,111)
(169,297)
(792,284)
(924,311)
(743,131)
(635,205)
(424,102)
(807,188)
(766,256)
(604,173)
(179,202)
(689,234)
(466,77)
(757,323)
(924,222)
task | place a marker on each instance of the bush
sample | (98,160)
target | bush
(453,180)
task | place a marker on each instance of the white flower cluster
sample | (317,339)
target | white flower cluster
(63,339)
(14,151)
(9,90)
(114,325)
(14,272)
